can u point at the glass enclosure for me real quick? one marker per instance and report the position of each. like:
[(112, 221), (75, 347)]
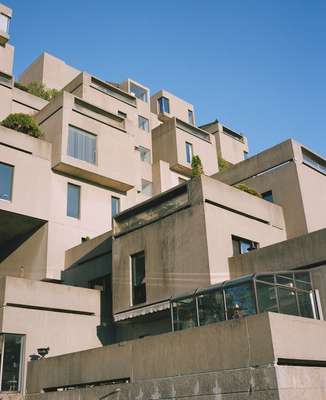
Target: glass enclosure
[(11, 349), (283, 292)]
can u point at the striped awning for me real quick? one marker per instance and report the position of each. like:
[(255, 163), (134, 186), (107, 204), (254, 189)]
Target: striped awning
[(137, 312)]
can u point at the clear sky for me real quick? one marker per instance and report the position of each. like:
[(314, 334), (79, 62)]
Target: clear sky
[(258, 66)]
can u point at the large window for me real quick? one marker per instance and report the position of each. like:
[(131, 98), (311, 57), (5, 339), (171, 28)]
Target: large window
[(242, 246), (4, 23), (138, 277), (6, 178), (73, 201), (143, 123), (164, 105), (191, 117), (115, 206), (81, 145), (139, 92), (11, 349), (189, 152)]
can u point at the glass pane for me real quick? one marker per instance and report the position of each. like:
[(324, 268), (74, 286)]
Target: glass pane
[(240, 300), (73, 201), (6, 176), (146, 187), (139, 92), (302, 280), (164, 105), (211, 307), (266, 278), (190, 117), (285, 279), (11, 364), (145, 154), (305, 304), (288, 301), (138, 279), (4, 23), (185, 314), (115, 206), (82, 145), (266, 296), (188, 152), (268, 196)]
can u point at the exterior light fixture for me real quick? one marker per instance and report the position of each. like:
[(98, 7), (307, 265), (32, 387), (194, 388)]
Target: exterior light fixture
[(43, 351)]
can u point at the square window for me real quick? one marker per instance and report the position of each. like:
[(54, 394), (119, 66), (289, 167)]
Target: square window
[(146, 187), (143, 123), (6, 180), (73, 201), (268, 196), (145, 154), (139, 92), (138, 278), (81, 145), (242, 246)]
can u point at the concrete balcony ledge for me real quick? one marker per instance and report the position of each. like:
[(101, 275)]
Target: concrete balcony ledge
[(258, 340)]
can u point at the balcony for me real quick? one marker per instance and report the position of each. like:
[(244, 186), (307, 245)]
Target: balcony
[(88, 142), (176, 141)]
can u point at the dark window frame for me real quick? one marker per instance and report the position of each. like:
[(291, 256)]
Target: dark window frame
[(138, 289)]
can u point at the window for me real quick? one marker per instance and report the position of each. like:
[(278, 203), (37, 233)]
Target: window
[(122, 114), (189, 152), (145, 154), (73, 201), (6, 178), (81, 145), (146, 187), (115, 206), (164, 105), (4, 23), (245, 155), (138, 278), (191, 117), (143, 123), (268, 196), (11, 349), (242, 246), (139, 92)]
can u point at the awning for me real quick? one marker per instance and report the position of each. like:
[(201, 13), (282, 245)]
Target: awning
[(137, 312)]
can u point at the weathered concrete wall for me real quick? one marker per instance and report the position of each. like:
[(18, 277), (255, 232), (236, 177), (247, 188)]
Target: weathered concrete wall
[(252, 341), (258, 383)]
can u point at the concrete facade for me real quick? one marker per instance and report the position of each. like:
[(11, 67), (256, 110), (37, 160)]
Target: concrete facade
[(111, 178)]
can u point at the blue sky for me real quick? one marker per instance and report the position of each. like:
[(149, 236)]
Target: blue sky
[(256, 65)]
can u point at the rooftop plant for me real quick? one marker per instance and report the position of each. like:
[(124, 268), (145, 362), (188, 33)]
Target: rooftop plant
[(38, 89), (247, 189), (196, 166), (223, 164), (23, 123)]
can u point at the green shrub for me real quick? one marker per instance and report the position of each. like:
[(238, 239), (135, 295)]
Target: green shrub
[(196, 166), (22, 123), (21, 86), (247, 189), (38, 89), (223, 164)]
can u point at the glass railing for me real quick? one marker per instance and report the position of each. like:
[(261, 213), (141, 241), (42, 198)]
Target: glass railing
[(288, 293)]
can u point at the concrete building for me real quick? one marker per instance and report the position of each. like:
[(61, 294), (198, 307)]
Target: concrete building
[(135, 273)]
